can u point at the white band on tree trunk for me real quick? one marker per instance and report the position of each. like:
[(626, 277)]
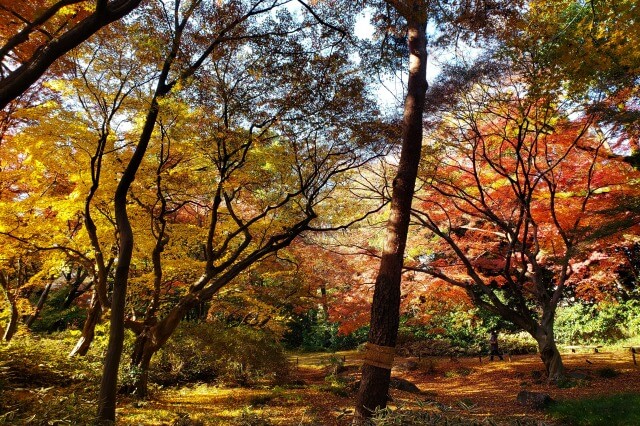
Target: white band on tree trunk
[(379, 356)]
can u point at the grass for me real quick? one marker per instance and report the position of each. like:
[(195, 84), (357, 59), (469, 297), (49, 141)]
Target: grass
[(614, 410)]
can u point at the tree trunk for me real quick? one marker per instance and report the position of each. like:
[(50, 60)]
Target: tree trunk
[(143, 351), (385, 310), (549, 352), (39, 306), (152, 338), (12, 326), (75, 291), (109, 383), (88, 330)]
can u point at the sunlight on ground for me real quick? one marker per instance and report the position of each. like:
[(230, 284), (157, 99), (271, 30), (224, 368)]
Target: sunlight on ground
[(462, 386)]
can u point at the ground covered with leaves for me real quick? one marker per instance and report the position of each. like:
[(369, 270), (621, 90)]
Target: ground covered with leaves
[(459, 390), (40, 385)]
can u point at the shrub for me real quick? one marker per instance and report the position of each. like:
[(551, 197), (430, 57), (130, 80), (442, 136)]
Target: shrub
[(606, 322), (211, 351), (311, 331), (518, 343)]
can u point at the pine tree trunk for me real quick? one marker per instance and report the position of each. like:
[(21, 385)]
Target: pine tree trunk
[(385, 310), (88, 329)]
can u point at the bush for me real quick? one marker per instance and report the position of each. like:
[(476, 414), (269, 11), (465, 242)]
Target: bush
[(311, 331), (518, 343), (211, 351), (606, 322)]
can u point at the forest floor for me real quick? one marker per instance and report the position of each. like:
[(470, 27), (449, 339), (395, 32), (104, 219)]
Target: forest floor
[(464, 387)]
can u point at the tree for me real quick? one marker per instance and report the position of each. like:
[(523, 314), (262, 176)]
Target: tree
[(583, 49), (316, 162), (36, 35), (267, 180), (376, 370), (519, 187), (187, 63)]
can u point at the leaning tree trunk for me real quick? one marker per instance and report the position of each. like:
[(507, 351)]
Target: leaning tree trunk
[(109, 382), (385, 310), (88, 329), (12, 326), (549, 352), (39, 306)]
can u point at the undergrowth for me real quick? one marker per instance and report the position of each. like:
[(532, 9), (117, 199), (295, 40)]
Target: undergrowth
[(40, 384)]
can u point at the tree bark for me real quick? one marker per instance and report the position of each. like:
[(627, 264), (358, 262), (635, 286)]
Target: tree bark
[(39, 306), (549, 352), (75, 291), (385, 310), (12, 326), (143, 351), (88, 329), (152, 338), (109, 383)]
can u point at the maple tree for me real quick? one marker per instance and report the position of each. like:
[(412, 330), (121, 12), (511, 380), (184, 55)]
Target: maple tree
[(272, 181), (519, 187), (184, 63), (58, 188), (231, 131), (35, 34), (583, 48)]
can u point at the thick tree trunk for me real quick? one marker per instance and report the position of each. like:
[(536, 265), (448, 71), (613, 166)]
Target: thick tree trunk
[(39, 306), (88, 329), (385, 310), (12, 326), (549, 352)]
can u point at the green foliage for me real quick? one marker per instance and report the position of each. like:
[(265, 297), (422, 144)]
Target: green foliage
[(518, 343), (606, 322), (311, 331), (54, 318), (211, 351), (622, 409), (463, 332)]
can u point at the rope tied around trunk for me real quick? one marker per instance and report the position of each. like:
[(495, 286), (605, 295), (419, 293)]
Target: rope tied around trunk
[(379, 356)]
